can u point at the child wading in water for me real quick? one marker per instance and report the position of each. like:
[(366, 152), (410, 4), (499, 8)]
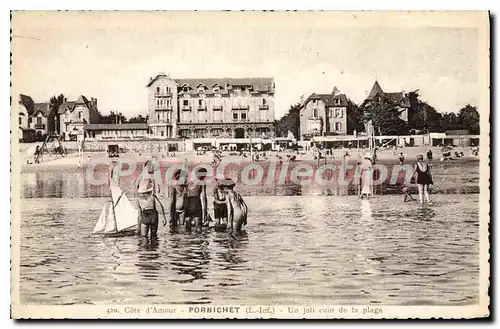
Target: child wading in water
[(237, 209)]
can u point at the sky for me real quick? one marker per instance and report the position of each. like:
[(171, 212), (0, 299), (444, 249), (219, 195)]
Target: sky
[(111, 56)]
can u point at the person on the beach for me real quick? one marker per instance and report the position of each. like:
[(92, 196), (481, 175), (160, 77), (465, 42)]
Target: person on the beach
[(178, 193), (237, 209), (196, 201), (429, 156), (366, 176), (147, 202), (401, 158), (423, 179), (407, 195), (220, 208)]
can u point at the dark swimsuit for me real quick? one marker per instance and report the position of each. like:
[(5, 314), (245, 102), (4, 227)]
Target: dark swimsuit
[(424, 177)]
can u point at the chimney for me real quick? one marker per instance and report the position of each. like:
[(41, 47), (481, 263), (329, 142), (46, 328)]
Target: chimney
[(302, 99), (65, 99), (93, 101)]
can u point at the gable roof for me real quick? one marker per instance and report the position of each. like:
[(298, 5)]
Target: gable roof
[(27, 102), (66, 106), (329, 99), (258, 83), (44, 108), (376, 89)]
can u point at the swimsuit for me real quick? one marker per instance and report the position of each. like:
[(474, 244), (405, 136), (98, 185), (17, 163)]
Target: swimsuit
[(424, 177)]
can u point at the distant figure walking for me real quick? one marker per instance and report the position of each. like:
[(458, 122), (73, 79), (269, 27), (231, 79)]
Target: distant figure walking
[(423, 179), (429, 156), (366, 176)]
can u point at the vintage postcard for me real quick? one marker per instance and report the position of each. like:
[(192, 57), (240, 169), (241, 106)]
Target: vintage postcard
[(249, 165)]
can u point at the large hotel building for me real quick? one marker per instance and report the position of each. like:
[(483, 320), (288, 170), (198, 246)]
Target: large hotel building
[(211, 108)]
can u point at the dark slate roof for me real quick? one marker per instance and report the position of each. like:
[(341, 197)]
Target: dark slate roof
[(329, 99), (42, 107), (397, 97), (113, 126), (66, 105), (27, 102), (376, 89), (258, 83)]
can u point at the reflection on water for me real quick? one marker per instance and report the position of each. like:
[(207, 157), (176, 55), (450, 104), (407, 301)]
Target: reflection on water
[(449, 179), (295, 250)]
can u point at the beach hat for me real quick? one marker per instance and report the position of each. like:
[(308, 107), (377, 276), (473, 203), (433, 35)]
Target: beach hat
[(420, 157), (145, 186), (226, 182), (368, 155)]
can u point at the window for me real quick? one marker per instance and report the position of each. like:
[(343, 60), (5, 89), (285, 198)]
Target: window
[(216, 89), (79, 115), (185, 102), (200, 103), (169, 102), (167, 89), (340, 113), (243, 89), (338, 126), (30, 120), (262, 115), (162, 133), (20, 120), (235, 116), (158, 116), (158, 89), (185, 89), (315, 102), (243, 116), (330, 113), (38, 120), (337, 101), (315, 112), (264, 101), (201, 89)]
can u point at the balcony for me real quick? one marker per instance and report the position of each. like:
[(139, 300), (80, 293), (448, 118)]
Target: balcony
[(40, 126), (263, 107), (163, 94), (201, 108), (240, 107), (164, 108), (217, 107), (186, 108)]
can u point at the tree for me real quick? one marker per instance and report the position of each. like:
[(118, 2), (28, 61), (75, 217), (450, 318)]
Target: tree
[(289, 122), (426, 119), (54, 104), (450, 122), (468, 118), (384, 115), (355, 118), (112, 117), (138, 119)]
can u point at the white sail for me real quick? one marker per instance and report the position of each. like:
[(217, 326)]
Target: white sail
[(125, 213), (110, 221), (101, 223)]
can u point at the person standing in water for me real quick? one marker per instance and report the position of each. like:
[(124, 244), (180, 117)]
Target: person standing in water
[(220, 208), (178, 193), (237, 210), (147, 202), (423, 179), (196, 200), (366, 176)]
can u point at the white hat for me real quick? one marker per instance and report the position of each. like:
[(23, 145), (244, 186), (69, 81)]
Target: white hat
[(368, 155)]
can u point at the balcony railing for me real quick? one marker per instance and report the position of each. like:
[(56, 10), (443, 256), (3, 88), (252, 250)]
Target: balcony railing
[(186, 108), (217, 107), (201, 108), (240, 107), (263, 107), (163, 94), (39, 126), (164, 108)]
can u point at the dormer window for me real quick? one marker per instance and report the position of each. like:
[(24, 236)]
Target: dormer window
[(201, 89), (158, 89), (216, 89), (315, 102), (185, 89), (337, 101)]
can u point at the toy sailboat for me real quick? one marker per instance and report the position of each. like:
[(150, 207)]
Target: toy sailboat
[(118, 217)]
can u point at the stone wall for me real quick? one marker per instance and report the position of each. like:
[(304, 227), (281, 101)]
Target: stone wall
[(143, 146)]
